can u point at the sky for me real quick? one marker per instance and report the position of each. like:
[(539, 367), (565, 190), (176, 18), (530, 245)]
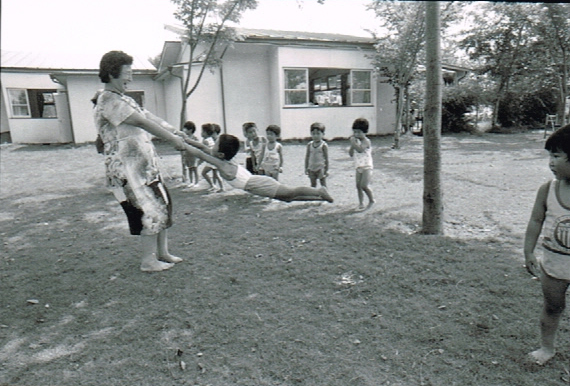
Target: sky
[(137, 26)]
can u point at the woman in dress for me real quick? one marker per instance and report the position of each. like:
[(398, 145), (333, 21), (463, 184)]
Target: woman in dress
[(131, 161)]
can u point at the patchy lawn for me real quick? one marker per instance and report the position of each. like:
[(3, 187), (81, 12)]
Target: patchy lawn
[(274, 293)]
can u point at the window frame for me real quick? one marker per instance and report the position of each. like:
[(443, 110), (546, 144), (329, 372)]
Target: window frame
[(19, 105), (286, 90), (354, 90), (36, 107)]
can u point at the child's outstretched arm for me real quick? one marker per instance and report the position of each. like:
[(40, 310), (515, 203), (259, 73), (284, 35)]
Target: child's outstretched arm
[(326, 155), (533, 230), (307, 159)]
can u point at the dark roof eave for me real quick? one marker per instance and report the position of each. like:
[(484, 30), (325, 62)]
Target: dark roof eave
[(67, 71)]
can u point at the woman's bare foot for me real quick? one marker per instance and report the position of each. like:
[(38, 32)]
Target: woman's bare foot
[(324, 193), (170, 258), (370, 204), (155, 266), (541, 356)]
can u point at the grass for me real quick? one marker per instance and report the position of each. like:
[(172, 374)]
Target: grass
[(274, 293)]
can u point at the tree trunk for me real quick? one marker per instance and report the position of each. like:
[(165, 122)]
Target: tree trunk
[(432, 219), (399, 108)]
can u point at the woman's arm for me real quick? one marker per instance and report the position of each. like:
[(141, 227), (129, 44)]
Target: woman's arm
[(139, 120), (227, 170)]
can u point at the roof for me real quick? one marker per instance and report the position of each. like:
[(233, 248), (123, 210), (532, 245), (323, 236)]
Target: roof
[(262, 34), (61, 61), (287, 37)]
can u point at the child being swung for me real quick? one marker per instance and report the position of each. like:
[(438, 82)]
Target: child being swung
[(317, 156), (222, 157), (551, 216), (272, 163)]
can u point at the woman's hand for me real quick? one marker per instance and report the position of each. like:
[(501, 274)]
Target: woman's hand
[(178, 143)]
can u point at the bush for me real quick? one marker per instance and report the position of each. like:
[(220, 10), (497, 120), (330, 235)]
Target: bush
[(456, 103)]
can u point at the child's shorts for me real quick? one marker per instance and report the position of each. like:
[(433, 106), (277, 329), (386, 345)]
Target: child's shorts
[(317, 174), (262, 186), (362, 169)]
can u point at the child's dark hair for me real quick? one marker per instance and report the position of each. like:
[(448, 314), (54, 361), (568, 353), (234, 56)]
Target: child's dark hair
[(360, 124), (112, 63), (190, 126), (318, 126), (559, 141), (229, 145), (248, 125), (208, 128), (217, 128), (274, 129)]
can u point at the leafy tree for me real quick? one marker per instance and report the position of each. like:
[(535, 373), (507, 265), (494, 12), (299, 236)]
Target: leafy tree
[(499, 41), (554, 29), (400, 48), (206, 36)]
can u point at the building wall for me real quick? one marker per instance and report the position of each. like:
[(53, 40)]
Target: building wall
[(252, 79), (30, 130), (81, 89)]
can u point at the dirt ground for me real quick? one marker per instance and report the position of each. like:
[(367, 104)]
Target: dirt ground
[(272, 293)]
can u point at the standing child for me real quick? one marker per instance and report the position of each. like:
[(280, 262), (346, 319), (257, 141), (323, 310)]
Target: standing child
[(256, 146), (551, 215), (361, 151), (208, 134), (317, 157), (272, 163), (189, 162), (248, 151), (239, 177)]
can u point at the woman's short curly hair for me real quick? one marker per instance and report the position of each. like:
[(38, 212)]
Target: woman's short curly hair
[(111, 65)]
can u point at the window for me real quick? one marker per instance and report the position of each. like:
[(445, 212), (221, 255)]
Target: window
[(361, 87), (296, 87), (327, 87), (32, 103), (138, 96)]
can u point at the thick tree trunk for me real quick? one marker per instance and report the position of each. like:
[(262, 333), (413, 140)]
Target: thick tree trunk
[(432, 219)]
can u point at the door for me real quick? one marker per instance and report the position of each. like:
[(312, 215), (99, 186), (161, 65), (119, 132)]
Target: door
[(63, 117)]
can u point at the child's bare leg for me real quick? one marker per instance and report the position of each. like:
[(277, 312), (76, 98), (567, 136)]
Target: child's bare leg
[(313, 179), (359, 190), (206, 176), (302, 193), (323, 182), (365, 181), (217, 178), (149, 262), (163, 253), (554, 292), (194, 175)]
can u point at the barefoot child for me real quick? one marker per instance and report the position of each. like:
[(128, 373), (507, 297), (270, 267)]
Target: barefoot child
[(272, 163), (209, 138), (189, 162), (221, 156), (361, 151), (551, 215), (317, 156)]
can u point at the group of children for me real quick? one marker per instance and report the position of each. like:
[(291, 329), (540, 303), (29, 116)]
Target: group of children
[(550, 215), (264, 157)]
